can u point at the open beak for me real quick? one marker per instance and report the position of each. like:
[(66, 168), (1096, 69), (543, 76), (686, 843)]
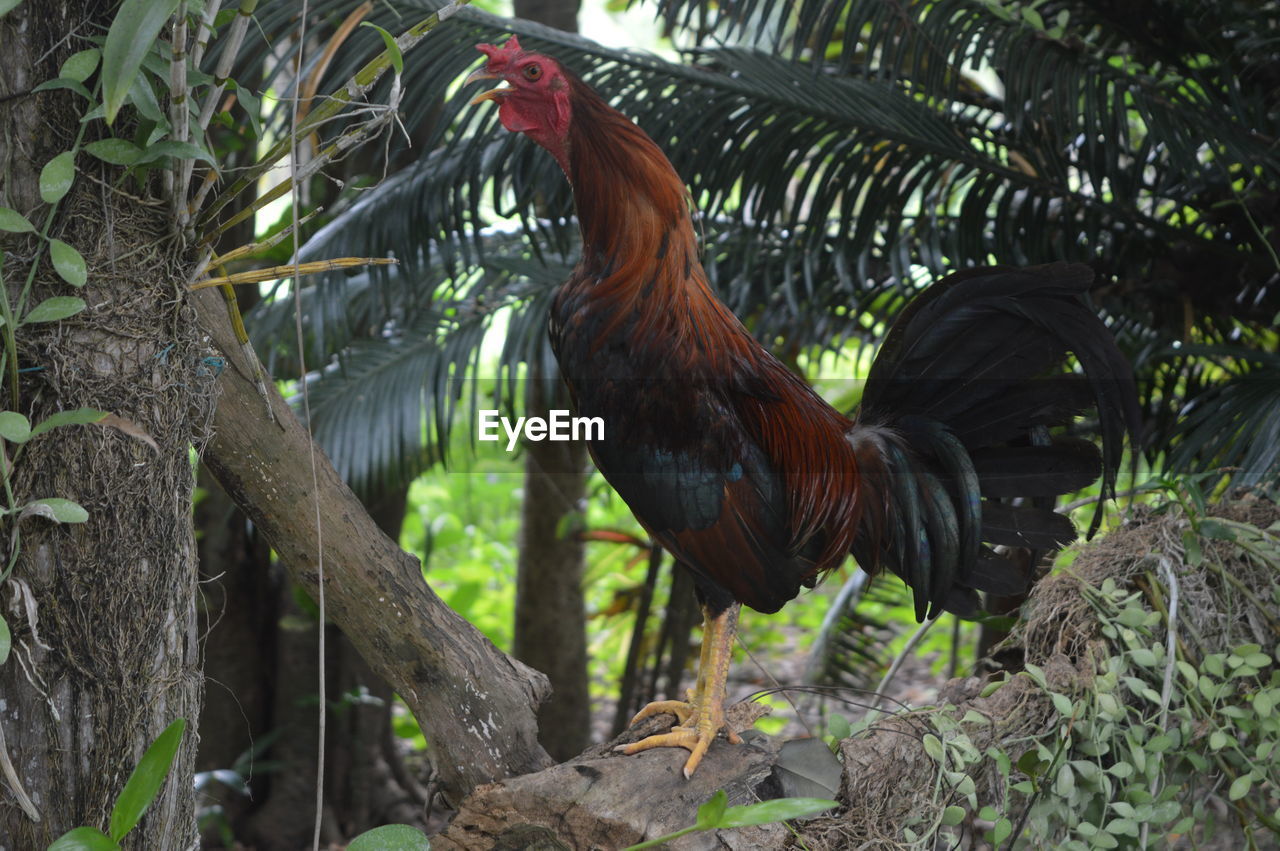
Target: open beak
[(494, 95)]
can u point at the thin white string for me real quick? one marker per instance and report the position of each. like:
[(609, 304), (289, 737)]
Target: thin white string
[(306, 413)]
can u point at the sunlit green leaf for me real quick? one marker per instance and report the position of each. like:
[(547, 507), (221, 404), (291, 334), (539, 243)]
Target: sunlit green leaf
[(55, 508), (84, 839), (393, 49), (14, 222), (781, 809), (133, 31), (56, 177), (14, 427), (80, 65), (6, 640), (77, 416), (144, 783), (6, 6), (114, 151), (68, 263), (391, 837), (54, 308)]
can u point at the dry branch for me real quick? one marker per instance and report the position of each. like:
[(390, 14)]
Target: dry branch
[(475, 704)]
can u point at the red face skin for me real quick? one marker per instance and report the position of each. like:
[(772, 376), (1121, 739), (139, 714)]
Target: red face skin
[(536, 99)]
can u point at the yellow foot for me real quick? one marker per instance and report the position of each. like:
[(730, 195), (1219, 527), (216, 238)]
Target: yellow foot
[(692, 731), (701, 717)]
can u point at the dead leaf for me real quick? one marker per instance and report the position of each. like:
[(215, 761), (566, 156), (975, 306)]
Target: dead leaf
[(130, 429)]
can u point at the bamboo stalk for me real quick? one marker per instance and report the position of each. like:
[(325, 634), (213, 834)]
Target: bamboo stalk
[(271, 273), (235, 37), (179, 115), (204, 31), (249, 249)]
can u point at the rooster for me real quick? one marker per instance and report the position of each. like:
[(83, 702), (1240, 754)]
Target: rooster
[(743, 472)]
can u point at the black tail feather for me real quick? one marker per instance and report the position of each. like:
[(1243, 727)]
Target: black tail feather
[(955, 410)]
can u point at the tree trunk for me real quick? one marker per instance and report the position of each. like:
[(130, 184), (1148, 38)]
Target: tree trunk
[(550, 628), (105, 651), (476, 705), (550, 618)]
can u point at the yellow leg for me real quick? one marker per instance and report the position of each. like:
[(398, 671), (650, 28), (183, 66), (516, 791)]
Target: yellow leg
[(701, 717)]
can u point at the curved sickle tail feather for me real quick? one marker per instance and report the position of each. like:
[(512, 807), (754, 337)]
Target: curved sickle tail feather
[(953, 437)]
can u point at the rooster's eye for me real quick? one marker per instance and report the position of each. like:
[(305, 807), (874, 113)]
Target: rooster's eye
[(532, 72)]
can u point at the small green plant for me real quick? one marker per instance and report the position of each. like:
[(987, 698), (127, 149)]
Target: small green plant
[(139, 791), (716, 814), (391, 837), (1177, 722)]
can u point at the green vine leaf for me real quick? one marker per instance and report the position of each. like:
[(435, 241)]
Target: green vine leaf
[(114, 151), (64, 83), (142, 96), (68, 263), (131, 36), (173, 148), (14, 222), (144, 783), (14, 427), (6, 640), (710, 813), (80, 65), (56, 177), (55, 508), (779, 809), (84, 839), (54, 309), (7, 6), (252, 105), (393, 49), (78, 416), (391, 837)]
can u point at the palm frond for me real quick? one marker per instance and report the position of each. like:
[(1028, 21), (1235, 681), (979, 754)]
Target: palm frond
[(839, 148), (1234, 425)]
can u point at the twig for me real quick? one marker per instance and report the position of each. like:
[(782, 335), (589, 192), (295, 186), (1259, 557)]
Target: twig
[(899, 659), (15, 784), (1171, 653), (293, 270)]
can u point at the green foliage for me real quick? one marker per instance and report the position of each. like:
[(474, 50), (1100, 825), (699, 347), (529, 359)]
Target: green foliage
[(131, 37), (139, 791), (144, 783), (391, 837), (897, 161), (1167, 732), (716, 814)]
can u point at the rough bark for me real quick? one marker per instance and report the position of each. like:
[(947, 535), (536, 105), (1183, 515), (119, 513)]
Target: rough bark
[(476, 705), (103, 617), (604, 800), (550, 616)]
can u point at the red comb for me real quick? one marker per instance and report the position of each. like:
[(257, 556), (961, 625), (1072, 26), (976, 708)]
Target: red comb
[(500, 56)]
